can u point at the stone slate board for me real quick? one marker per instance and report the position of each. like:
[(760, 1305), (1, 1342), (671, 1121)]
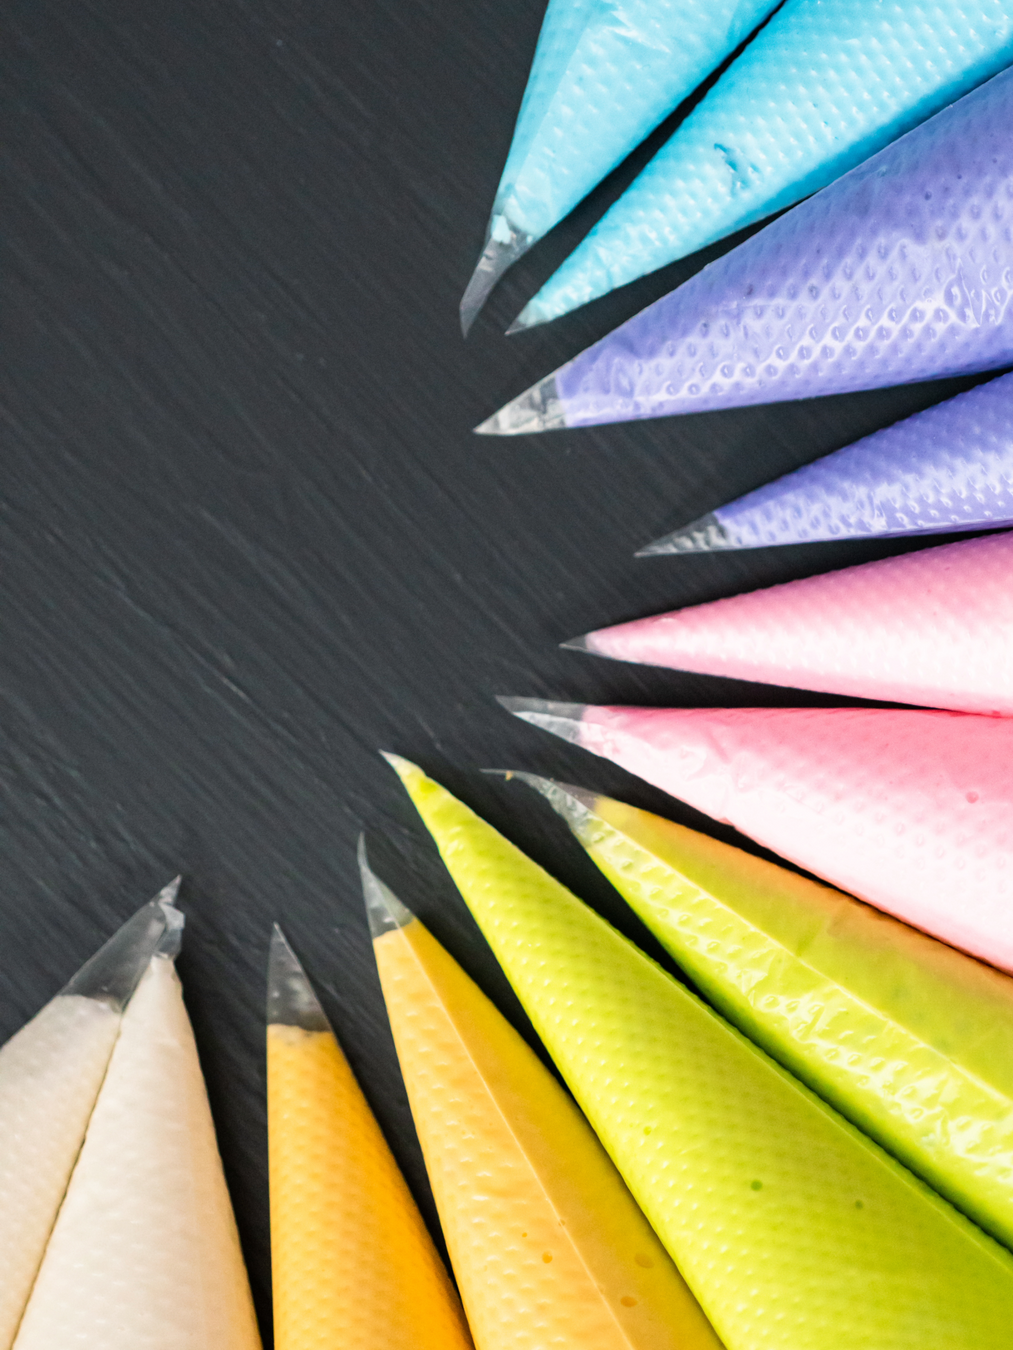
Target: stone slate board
[(247, 536)]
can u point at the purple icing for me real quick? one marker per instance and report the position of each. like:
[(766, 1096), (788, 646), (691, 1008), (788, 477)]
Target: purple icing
[(902, 270), (947, 468)]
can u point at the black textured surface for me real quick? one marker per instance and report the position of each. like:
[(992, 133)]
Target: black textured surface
[(246, 533)]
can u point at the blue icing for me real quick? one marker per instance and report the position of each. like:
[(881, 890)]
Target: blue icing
[(821, 88), (605, 74), (945, 469)]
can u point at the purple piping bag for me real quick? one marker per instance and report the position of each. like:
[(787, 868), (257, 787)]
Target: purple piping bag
[(946, 469), (900, 271)]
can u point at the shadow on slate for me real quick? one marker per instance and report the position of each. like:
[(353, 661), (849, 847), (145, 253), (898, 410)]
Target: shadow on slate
[(247, 534)]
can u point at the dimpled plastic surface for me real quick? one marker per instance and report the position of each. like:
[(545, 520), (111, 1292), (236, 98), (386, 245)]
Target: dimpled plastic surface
[(945, 469), (794, 1229), (899, 271), (145, 1254), (933, 627), (352, 1261), (911, 811), (50, 1074), (604, 75), (821, 87), (547, 1243), (909, 1039)]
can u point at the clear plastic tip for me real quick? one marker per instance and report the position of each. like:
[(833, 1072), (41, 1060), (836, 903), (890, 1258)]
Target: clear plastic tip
[(587, 643), (530, 317), (706, 535), (291, 1001), (503, 247), (113, 972), (537, 409), (562, 719), (576, 805), (384, 910), (399, 764)]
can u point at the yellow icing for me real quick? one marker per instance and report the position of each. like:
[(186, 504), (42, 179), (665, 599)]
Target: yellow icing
[(354, 1265), (548, 1245)]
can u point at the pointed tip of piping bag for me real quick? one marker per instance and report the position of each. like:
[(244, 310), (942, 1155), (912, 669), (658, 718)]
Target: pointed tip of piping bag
[(705, 535), (112, 974), (172, 938), (537, 409), (575, 804), (569, 287), (384, 910), (498, 255), (405, 770), (562, 719), (167, 895), (552, 787), (577, 644), (591, 644), (527, 318), (588, 643), (291, 1000)]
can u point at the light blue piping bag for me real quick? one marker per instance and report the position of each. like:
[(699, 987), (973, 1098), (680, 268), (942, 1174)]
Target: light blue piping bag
[(605, 74), (823, 86)]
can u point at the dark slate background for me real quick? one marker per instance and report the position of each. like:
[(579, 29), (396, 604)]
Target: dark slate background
[(247, 535)]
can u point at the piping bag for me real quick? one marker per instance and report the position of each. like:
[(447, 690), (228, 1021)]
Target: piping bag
[(548, 1245), (934, 627), (895, 273), (794, 1229), (942, 470), (909, 1039), (352, 1261), (50, 1074), (602, 79), (910, 811), (145, 1251), (819, 89)]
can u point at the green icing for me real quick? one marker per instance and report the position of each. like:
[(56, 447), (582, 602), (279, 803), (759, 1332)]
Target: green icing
[(910, 1039), (795, 1231)]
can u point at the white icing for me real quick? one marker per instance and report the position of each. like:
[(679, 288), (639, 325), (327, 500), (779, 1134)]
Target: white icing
[(145, 1254), (50, 1074)]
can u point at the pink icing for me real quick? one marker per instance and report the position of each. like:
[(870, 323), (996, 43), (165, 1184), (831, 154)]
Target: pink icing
[(911, 811), (933, 627)]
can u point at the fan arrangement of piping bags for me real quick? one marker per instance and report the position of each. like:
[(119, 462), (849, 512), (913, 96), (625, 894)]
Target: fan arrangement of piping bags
[(897, 272), (943, 470), (819, 89), (791, 1226), (126, 1218), (600, 81)]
